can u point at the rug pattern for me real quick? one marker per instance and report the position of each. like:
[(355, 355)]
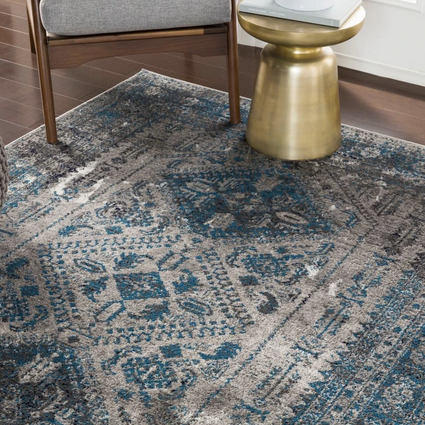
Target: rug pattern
[(156, 270)]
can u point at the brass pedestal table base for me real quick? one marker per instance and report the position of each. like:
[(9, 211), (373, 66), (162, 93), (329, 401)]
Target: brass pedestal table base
[(295, 113)]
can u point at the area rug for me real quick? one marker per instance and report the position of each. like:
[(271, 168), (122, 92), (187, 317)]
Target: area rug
[(155, 270)]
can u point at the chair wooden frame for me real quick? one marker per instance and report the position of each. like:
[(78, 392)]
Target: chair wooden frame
[(66, 52)]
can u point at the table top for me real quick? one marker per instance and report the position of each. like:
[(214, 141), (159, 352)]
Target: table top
[(284, 32)]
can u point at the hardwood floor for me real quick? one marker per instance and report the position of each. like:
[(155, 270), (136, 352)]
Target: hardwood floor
[(389, 107)]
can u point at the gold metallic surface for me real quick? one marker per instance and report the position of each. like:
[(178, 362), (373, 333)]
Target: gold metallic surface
[(283, 32), (295, 113), (295, 108)]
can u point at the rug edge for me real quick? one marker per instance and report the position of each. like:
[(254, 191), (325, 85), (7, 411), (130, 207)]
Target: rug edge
[(82, 104), (390, 138), (145, 71)]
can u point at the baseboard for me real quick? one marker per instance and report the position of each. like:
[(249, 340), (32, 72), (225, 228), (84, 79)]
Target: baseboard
[(245, 39), (358, 64), (380, 69)]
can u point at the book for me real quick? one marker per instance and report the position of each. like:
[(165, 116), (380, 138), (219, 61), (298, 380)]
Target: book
[(334, 16)]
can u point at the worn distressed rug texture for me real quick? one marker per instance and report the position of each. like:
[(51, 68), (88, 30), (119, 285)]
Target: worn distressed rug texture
[(155, 270)]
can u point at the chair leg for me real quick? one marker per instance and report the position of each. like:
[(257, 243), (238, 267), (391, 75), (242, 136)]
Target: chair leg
[(233, 69), (41, 47), (30, 33)]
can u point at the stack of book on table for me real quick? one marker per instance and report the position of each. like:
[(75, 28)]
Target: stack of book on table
[(334, 16)]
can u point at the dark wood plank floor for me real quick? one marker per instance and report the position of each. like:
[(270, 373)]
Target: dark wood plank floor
[(385, 106)]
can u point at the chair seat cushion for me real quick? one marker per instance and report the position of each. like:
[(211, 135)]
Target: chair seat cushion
[(83, 17)]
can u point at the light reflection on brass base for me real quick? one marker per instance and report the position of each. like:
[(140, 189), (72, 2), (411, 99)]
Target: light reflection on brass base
[(295, 108), (295, 112)]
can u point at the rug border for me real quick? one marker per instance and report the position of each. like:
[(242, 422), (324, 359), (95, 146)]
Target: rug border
[(143, 70)]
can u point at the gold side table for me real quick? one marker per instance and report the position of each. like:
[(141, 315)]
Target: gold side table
[(295, 113)]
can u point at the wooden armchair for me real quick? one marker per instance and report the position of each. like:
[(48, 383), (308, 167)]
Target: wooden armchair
[(68, 33)]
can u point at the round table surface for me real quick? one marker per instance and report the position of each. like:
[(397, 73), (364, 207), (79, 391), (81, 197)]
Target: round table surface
[(284, 32)]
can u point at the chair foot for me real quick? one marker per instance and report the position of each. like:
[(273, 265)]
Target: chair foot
[(51, 132), (233, 70), (235, 120)]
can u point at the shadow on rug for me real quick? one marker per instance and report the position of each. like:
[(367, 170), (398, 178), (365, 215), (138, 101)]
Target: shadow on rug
[(155, 270)]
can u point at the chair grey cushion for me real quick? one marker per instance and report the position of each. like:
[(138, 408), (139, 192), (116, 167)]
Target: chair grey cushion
[(83, 17)]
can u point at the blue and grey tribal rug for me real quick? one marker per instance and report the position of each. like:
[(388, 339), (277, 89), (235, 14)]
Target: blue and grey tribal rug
[(156, 271)]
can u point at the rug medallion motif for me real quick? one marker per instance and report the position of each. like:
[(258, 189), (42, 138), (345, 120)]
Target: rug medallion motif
[(155, 270)]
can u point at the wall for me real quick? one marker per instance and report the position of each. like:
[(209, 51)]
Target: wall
[(391, 43)]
